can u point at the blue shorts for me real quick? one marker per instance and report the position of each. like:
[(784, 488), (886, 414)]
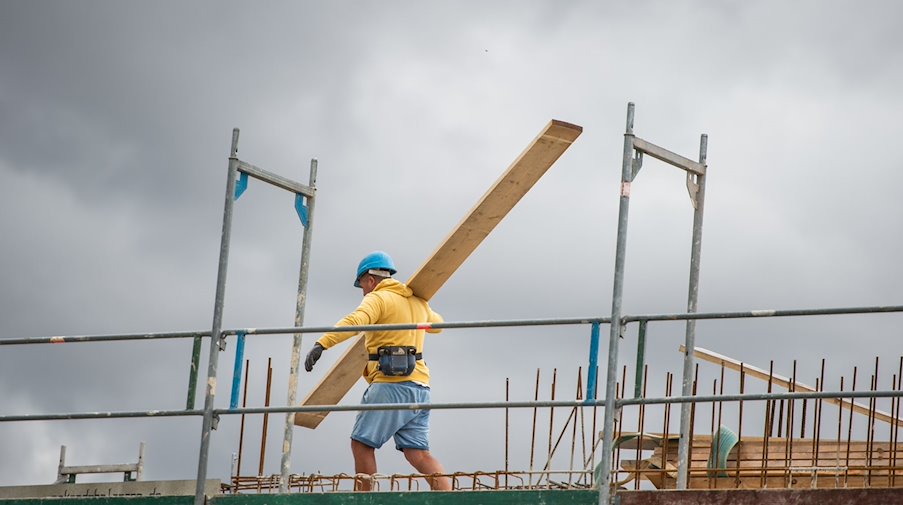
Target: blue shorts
[(410, 428)]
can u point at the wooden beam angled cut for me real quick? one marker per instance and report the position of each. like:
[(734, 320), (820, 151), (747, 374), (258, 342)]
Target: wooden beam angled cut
[(498, 201), (504, 194)]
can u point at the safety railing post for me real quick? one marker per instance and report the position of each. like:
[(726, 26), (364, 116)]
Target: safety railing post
[(215, 332), (627, 172), (698, 195), (592, 371), (297, 339), (640, 359), (193, 373)]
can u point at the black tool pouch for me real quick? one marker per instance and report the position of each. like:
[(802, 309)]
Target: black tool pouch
[(396, 360)]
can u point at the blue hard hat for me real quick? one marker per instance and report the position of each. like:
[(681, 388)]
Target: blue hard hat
[(377, 260)]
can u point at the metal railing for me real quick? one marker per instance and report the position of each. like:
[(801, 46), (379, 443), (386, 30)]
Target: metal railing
[(607, 442)]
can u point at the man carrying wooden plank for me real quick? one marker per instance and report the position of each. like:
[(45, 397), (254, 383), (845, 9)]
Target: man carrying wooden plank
[(554, 139), (395, 370)]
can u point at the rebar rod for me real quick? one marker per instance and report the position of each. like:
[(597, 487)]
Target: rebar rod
[(740, 422), (803, 416), (507, 426), (241, 430), (788, 448), (710, 475), (583, 434), (266, 416), (771, 411), (666, 418), (620, 392), (896, 426), (819, 405), (850, 430), (717, 434), (533, 431), (693, 409), (640, 428), (839, 420), (551, 417), (558, 440), (769, 422), (873, 404), (578, 397)]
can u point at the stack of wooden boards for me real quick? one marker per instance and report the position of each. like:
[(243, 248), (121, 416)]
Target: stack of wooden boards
[(726, 460), (757, 462)]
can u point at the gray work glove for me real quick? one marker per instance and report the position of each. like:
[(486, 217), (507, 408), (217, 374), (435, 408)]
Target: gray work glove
[(313, 356)]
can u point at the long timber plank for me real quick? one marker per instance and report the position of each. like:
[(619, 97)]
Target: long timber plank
[(733, 364), (504, 194)]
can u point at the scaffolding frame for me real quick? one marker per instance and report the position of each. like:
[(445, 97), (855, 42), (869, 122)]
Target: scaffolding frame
[(236, 184), (634, 150)]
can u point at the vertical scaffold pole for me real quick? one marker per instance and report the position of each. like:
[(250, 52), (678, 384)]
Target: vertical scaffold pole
[(215, 337), (296, 342), (683, 449), (616, 323)]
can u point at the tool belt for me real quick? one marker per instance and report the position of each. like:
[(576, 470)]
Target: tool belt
[(396, 360)]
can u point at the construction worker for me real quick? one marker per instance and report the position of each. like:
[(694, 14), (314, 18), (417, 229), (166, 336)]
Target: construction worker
[(395, 371)]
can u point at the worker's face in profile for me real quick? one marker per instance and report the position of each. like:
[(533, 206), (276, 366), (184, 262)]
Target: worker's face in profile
[(368, 283)]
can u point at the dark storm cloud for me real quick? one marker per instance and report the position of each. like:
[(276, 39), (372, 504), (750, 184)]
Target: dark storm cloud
[(115, 121)]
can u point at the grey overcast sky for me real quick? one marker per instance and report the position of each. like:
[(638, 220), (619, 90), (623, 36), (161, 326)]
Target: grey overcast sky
[(115, 124)]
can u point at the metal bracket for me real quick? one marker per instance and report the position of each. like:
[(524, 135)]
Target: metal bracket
[(221, 342), (214, 421), (241, 185), (637, 164), (301, 209), (692, 187)]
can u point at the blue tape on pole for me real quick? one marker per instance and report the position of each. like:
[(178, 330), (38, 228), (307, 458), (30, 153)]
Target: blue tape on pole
[(301, 209), (236, 374), (593, 369), (241, 185)]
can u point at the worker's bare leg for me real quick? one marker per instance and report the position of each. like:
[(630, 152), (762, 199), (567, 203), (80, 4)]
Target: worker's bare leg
[(364, 463), (426, 464)]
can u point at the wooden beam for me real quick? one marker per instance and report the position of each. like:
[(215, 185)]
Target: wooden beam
[(718, 359), (521, 175)]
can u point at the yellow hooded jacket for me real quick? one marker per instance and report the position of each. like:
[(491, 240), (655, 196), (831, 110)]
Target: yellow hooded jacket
[(391, 302)]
